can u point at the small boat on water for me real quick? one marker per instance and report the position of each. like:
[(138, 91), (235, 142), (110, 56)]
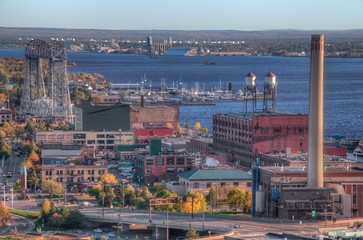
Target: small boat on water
[(358, 151)]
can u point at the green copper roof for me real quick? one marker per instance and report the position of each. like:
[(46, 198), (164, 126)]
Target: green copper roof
[(215, 174)]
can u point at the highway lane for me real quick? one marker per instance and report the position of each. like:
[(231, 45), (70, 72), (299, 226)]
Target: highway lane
[(11, 164), (247, 225)]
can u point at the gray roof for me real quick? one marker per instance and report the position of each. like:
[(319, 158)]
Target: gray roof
[(60, 153), (55, 161), (215, 174)]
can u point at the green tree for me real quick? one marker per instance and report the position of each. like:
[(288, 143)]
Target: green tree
[(5, 149), (130, 196), (192, 233), (52, 187), (107, 197), (212, 197), (95, 190), (4, 215), (186, 125), (74, 219), (120, 193), (141, 203), (34, 179), (236, 198), (29, 127), (79, 95), (146, 194)]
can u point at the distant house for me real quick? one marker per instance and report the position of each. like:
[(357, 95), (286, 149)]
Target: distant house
[(5, 115), (203, 179)]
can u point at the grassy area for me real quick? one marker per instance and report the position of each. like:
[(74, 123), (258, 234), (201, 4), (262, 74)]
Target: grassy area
[(23, 213), (246, 214)]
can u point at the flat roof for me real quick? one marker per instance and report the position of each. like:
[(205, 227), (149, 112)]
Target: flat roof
[(249, 115)]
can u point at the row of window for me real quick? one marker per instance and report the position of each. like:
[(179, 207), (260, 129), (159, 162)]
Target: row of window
[(74, 172), (168, 169), (83, 136), (100, 142), (72, 179)]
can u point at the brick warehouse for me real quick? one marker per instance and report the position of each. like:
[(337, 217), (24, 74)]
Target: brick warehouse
[(246, 136)]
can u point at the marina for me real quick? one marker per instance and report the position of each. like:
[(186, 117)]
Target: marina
[(343, 86)]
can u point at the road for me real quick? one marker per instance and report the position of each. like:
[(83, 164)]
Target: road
[(244, 226), (11, 164)]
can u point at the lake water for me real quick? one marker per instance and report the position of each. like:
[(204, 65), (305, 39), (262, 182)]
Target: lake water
[(343, 94)]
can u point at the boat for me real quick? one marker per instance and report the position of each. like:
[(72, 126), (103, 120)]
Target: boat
[(358, 151)]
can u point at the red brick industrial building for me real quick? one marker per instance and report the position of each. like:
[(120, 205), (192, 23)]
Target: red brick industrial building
[(246, 136)]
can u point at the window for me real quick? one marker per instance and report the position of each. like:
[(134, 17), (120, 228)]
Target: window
[(180, 161), (249, 184), (195, 185), (79, 136), (110, 136), (223, 184), (110, 142), (149, 161), (91, 141), (100, 141), (235, 184), (180, 169), (159, 160), (169, 169), (100, 135), (209, 185), (170, 161)]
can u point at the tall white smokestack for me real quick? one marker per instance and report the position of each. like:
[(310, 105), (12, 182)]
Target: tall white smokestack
[(316, 103)]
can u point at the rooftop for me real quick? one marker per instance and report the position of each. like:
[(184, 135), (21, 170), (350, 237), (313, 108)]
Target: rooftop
[(215, 174), (251, 114)]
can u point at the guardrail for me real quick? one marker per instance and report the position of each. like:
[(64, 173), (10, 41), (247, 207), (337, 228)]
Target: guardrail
[(176, 224)]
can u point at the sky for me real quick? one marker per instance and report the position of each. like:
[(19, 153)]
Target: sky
[(245, 15)]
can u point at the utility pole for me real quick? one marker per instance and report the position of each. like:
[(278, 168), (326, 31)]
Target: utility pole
[(103, 200)]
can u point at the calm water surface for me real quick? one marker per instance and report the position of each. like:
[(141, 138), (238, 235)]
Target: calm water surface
[(343, 82)]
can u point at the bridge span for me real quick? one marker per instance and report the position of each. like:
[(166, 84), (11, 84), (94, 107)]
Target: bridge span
[(161, 223), (217, 226)]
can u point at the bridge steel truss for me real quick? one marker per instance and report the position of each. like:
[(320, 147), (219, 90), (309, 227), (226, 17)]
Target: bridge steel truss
[(50, 98)]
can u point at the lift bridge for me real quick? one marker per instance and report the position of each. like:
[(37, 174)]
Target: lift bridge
[(46, 98)]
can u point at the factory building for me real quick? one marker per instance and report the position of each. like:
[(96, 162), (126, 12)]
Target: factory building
[(246, 136), (153, 121), (102, 116), (284, 192)]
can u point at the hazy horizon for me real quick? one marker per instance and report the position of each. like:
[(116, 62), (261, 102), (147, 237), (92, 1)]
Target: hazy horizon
[(188, 15)]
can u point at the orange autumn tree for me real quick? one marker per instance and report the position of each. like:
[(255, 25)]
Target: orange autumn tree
[(108, 178), (4, 215), (195, 202)]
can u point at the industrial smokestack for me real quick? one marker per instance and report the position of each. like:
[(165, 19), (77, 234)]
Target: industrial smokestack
[(316, 103), (142, 101)]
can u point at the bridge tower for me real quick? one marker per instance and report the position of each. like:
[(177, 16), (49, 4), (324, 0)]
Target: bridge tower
[(46, 97)]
